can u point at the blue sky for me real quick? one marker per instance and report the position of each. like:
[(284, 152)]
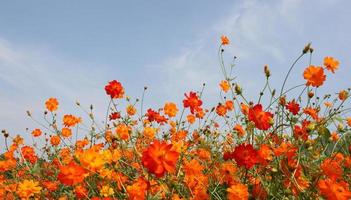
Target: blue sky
[(71, 49)]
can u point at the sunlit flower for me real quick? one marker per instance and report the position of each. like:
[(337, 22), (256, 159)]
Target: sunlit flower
[(66, 132), (28, 188), (314, 76), (331, 64), (221, 110), (106, 191), (131, 110), (170, 109), (237, 191), (71, 120), (224, 40), (158, 158), (262, 120), (114, 89), (71, 174), (245, 155), (122, 131), (239, 129), (192, 101), (343, 94), (293, 107), (191, 118), (225, 86), (55, 140), (333, 190), (137, 191), (51, 104), (36, 132)]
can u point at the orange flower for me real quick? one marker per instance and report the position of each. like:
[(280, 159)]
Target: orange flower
[(331, 64), (348, 120), (332, 168), (70, 120), (123, 131), (137, 191), (28, 188), (191, 118), (28, 153), (158, 158), (51, 104), (81, 191), (333, 190), (50, 185), (224, 40), (221, 110), (149, 132), (237, 191), (192, 101), (244, 108), (229, 105), (131, 110), (265, 154), (262, 120), (343, 94), (170, 109), (311, 112), (314, 76), (36, 132), (227, 171), (114, 89), (66, 132), (224, 86), (71, 174), (55, 140), (238, 128)]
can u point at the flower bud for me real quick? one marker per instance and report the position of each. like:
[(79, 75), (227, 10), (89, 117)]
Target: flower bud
[(310, 94), (282, 100), (238, 89), (307, 48), (267, 71), (340, 127)]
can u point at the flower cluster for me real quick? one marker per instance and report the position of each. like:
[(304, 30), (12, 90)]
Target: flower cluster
[(291, 145)]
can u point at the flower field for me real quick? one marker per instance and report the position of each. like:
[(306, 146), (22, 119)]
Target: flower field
[(284, 148)]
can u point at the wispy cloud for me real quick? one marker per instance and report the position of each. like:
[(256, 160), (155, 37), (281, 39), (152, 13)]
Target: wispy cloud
[(30, 75), (262, 32)]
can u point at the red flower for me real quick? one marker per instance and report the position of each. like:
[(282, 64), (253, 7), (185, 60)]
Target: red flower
[(155, 116), (293, 107), (114, 116), (71, 174), (301, 132), (158, 158), (192, 101), (114, 89), (245, 155), (262, 120)]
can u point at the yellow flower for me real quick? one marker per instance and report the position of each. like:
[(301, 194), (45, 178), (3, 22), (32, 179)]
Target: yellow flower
[(28, 188), (106, 191)]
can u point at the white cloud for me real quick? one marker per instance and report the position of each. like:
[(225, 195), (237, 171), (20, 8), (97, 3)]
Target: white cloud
[(30, 75)]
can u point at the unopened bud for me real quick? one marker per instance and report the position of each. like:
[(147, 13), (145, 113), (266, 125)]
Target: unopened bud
[(282, 100), (307, 48), (28, 113), (310, 94), (238, 89), (77, 103), (267, 71), (340, 128)]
